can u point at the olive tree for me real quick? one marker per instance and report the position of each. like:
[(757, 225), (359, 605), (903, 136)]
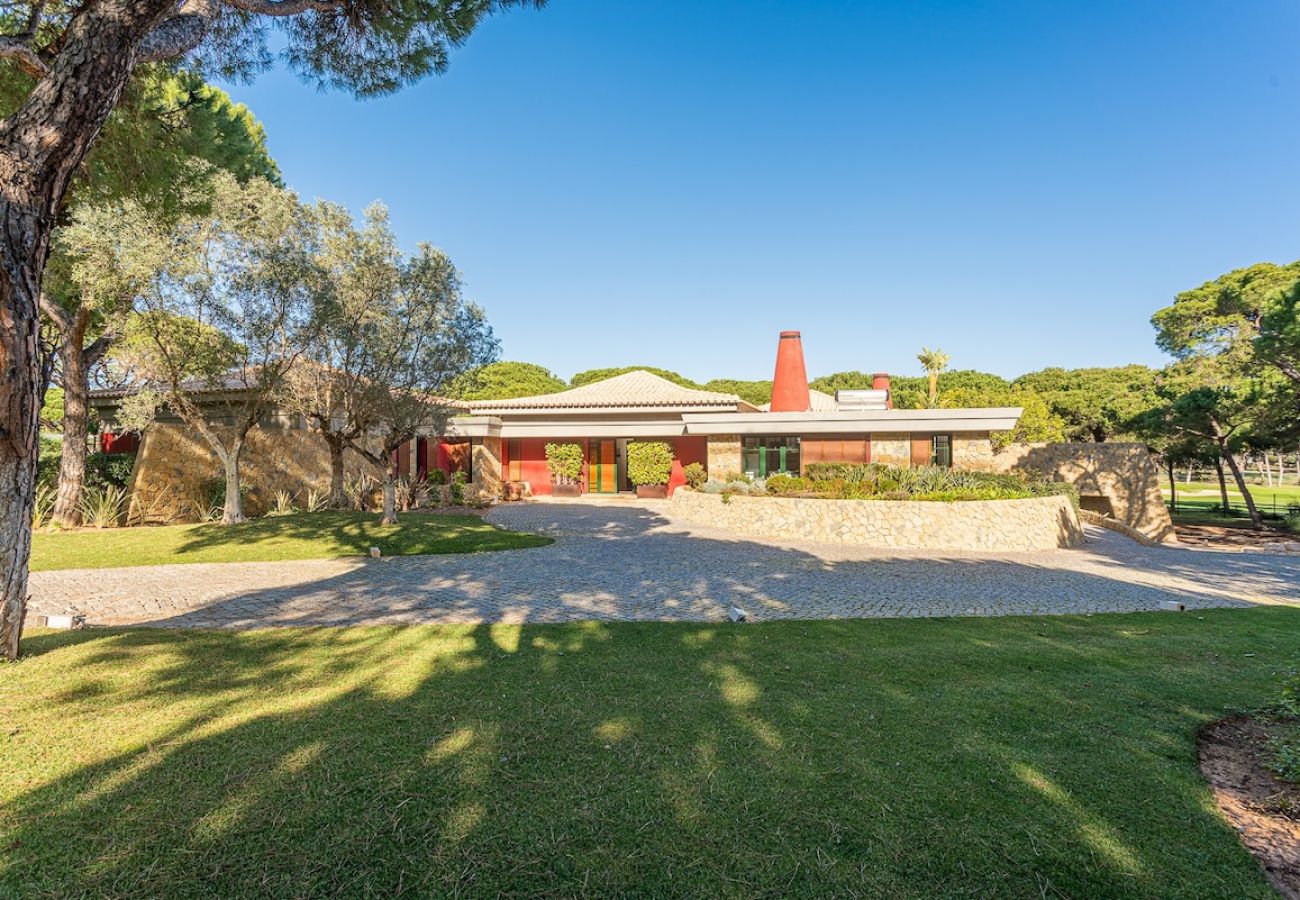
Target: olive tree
[(79, 58), (228, 315), (395, 334), (192, 130)]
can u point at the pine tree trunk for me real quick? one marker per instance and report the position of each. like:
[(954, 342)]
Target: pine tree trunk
[(76, 415), (41, 146), (1173, 485), (1255, 517), (1223, 484)]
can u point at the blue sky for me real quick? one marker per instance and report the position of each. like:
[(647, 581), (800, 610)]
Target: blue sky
[(672, 183)]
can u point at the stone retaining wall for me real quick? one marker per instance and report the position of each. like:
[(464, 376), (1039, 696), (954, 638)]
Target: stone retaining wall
[(1115, 479), (1037, 523)]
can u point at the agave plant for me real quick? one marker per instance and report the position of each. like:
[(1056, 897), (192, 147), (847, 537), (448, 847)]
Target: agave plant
[(103, 507), (285, 503), (358, 489), (43, 505), (316, 500)]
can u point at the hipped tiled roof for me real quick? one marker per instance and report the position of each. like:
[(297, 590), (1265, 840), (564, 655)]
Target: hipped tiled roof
[(638, 388)]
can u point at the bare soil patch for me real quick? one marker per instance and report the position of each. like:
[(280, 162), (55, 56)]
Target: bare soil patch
[(1264, 810), (1230, 536)]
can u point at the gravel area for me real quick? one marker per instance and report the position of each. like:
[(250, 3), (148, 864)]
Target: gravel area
[(624, 561)]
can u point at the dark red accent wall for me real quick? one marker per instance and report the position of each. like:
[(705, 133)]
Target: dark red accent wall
[(686, 450), (119, 443)]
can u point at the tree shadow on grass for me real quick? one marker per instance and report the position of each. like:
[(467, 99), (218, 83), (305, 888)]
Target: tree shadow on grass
[(972, 757), (354, 533)]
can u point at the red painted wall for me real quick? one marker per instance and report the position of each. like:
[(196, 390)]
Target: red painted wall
[(119, 443), (686, 450), (532, 464)]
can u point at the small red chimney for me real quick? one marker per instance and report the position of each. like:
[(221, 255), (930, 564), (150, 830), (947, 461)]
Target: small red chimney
[(880, 382), (790, 383)]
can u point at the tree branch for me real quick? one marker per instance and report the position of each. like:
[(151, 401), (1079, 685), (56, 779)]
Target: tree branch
[(17, 49), (180, 33), (61, 318), (284, 7)]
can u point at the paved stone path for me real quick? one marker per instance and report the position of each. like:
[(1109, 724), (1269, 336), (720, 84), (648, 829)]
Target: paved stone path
[(631, 563)]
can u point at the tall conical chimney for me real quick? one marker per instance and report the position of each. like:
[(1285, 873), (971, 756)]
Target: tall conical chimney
[(790, 383)]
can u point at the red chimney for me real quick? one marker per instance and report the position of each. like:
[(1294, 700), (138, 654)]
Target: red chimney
[(880, 382), (790, 383)]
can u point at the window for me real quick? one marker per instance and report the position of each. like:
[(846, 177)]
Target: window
[(514, 460), (941, 450), (764, 456)]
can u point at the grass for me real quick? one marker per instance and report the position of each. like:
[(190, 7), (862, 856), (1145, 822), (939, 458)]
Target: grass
[(1201, 497), (317, 535), (953, 757)]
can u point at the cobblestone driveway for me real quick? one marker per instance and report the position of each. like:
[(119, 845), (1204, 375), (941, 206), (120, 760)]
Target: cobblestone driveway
[(631, 563)]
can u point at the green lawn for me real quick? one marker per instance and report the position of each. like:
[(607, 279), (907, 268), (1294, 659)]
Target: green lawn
[(954, 757), (316, 535), (1202, 496)]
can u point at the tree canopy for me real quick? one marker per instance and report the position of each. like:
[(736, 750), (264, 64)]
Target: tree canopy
[(1097, 404), (755, 392), (164, 122), (505, 380)]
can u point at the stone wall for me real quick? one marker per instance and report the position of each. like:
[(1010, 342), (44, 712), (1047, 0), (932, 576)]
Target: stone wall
[(723, 455), (486, 466), (1118, 480), (1038, 523), (891, 449), (973, 450), (175, 469)]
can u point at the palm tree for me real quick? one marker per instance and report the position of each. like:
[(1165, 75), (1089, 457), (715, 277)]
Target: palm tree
[(934, 362)]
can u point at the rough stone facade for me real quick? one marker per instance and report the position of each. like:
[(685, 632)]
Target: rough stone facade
[(724, 455), (1117, 480), (175, 471), (1038, 523), (972, 451), (892, 449), (486, 466)]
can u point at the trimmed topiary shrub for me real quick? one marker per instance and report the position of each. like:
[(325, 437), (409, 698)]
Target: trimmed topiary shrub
[(649, 462), (565, 462), (695, 475)]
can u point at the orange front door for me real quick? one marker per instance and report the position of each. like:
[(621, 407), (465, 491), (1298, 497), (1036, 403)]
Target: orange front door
[(602, 468)]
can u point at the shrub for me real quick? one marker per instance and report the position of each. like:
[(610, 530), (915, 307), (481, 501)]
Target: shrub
[(786, 484), (104, 469), (437, 478), (565, 462), (649, 462), (47, 463), (695, 475), (737, 476), (457, 489), (103, 507), (316, 500), (847, 481)]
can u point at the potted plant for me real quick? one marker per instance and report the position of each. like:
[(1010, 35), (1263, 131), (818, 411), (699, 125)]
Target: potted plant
[(649, 463), (565, 462)]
